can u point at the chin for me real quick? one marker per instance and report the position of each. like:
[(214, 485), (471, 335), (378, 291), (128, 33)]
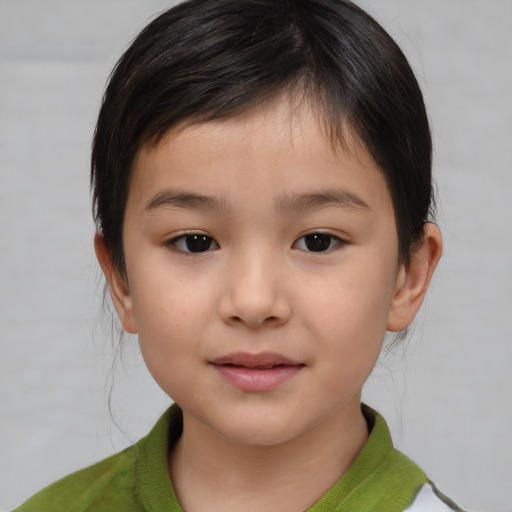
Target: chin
[(262, 430), (259, 437)]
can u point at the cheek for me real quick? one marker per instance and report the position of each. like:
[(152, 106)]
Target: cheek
[(349, 316), (165, 302), (356, 304), (170, 323)]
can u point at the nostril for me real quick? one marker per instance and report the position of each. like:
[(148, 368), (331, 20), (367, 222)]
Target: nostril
[(256, 322)]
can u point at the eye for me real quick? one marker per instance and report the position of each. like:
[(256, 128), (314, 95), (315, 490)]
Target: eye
[(194, 243), (318, 242)]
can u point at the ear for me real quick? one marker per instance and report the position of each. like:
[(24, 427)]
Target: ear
[(117, 283), (413, 280)]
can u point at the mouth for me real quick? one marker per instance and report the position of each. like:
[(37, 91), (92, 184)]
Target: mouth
[(256, 372), (258, 367), (263, 361)]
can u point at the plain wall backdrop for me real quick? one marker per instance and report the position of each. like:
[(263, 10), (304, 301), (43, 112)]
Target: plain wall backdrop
[(445, 393)]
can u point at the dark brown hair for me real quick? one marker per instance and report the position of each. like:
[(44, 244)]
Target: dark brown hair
[(209, 59)]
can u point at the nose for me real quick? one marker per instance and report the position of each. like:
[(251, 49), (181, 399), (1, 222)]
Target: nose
[(255, 294)]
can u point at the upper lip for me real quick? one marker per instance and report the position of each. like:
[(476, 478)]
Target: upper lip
[(248, 360)]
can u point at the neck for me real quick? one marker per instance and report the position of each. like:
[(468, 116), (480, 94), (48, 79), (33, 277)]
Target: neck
[(210, 472)]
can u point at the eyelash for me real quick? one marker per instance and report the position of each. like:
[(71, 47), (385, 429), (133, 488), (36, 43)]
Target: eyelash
[(189, 238), (205, 242), (320, 238)]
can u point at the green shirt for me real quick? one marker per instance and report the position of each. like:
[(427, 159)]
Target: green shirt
[(381, 479)]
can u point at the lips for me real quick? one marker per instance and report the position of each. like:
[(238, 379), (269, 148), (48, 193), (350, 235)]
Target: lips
[(256, 372), (265, 359)]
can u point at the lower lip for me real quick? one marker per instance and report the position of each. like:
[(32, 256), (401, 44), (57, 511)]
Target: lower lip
[(257, 379)]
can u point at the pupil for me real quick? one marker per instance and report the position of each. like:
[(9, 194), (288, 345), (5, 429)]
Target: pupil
[(198, 243), (318, 242)]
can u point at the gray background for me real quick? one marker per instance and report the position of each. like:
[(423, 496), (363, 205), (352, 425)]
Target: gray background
[(445, 394)]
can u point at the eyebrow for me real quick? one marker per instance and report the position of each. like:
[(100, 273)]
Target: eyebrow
[(285, 204), (187, 200), (338, 198)]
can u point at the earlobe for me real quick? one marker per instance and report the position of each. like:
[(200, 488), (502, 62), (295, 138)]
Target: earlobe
[(117, 283), (413, 280)]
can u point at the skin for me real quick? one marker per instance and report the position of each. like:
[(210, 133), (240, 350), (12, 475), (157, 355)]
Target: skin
[(258, 289)]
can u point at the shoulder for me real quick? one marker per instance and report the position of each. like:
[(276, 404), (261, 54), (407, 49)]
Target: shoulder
[(429, 499), (392, 482), (122, 482), (105, 485)]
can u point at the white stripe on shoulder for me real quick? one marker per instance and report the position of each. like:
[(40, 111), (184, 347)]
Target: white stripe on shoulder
[(427, 501)]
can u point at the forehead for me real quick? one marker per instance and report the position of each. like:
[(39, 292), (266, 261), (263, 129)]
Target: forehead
[(269, 151)]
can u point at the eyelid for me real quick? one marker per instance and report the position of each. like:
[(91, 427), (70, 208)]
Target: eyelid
[(339, 241), (172, 242)]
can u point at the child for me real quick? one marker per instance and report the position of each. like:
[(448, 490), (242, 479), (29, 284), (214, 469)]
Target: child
[(262, 189)]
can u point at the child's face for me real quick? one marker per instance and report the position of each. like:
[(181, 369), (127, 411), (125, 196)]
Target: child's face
[(256, 287)]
